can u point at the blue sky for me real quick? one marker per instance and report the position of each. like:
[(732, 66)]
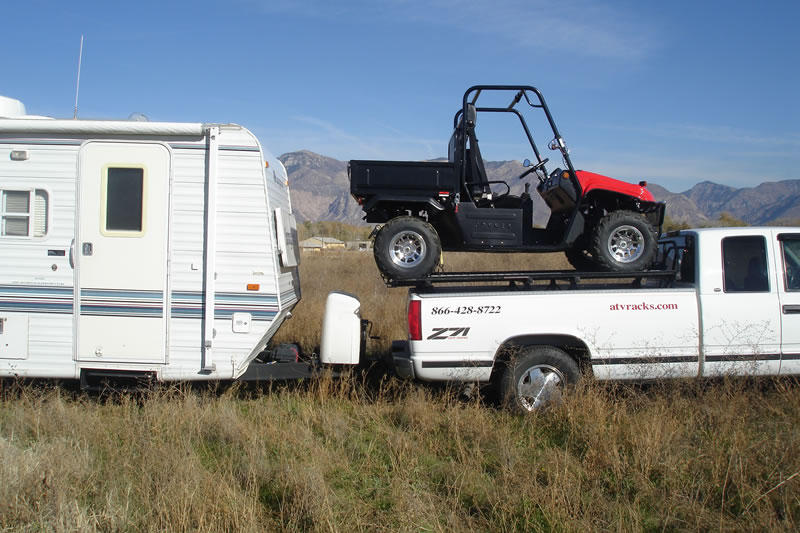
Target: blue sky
[(671, 92)]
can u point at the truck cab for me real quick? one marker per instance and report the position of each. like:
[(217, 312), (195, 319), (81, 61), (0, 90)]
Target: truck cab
[(748, 288)]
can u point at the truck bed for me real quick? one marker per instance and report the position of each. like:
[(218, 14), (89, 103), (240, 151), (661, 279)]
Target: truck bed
[(416, 178)]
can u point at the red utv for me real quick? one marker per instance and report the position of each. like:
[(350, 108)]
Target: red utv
[(600, 223)]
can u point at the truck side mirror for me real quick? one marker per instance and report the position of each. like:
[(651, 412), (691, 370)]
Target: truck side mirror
[(526, 163)]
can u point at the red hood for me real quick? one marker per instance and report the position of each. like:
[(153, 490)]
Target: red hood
[(590, 181)]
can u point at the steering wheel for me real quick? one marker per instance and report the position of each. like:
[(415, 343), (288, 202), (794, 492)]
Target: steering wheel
[(535, 167)]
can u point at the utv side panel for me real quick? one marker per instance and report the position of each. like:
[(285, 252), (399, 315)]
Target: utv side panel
[(490, 227)]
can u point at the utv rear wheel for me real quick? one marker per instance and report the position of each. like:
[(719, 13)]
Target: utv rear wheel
[(624, 241), (407, 247), (537, 377)]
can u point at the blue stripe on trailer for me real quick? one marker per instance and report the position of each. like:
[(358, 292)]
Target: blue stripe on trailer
[(133, 303)]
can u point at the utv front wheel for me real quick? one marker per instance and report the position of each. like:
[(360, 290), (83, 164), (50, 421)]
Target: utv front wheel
[(624, 241), (407, 247), (536, 377)]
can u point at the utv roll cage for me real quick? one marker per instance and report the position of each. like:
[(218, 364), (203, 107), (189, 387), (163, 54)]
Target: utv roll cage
[(464, 131)]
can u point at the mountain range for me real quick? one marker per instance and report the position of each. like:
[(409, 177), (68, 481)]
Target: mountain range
[(321, 191)]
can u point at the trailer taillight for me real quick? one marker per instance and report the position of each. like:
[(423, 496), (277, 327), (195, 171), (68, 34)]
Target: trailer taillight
[(415, 320)]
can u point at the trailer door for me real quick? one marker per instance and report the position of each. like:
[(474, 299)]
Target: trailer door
[(121, 252)]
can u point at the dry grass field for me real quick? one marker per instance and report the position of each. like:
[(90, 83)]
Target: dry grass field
[(334, 455)]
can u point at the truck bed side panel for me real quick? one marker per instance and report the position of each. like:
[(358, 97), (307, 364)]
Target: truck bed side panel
[(624, 332)]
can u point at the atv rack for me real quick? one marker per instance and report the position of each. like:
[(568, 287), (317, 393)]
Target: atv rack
[(521, 280)]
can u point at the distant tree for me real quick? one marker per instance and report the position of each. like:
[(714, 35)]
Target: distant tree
[(671, 224), (337, 230), (786, 222), (305, 230), (727, 220)]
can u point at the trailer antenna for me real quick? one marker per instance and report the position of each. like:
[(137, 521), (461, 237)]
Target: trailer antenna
[(78, 84)]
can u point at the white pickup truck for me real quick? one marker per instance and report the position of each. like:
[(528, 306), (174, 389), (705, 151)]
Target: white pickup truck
[(731, 307)]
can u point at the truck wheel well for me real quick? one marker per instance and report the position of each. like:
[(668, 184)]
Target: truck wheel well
[(573, 346)]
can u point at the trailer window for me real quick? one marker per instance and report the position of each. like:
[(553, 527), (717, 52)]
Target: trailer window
[(23, 213), (790, 248), (745, 264), (124, 200)]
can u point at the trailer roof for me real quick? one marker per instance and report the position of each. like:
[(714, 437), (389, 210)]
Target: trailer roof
[(108, 127)]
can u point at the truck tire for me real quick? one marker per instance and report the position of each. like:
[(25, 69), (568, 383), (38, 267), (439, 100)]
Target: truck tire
[(624, 241), (537, 377), (581, 260), (407, 247)]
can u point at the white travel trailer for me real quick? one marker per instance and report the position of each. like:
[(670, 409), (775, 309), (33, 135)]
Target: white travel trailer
[(139, 249)]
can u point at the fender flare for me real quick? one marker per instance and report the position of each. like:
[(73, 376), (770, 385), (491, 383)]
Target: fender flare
[(408, 200)]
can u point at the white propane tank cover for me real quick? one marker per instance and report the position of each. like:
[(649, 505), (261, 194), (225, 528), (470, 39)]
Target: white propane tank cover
[(11, 108), (341, 330)]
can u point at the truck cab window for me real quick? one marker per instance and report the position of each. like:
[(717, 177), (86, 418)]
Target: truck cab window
[(790, 250), (745, 264)]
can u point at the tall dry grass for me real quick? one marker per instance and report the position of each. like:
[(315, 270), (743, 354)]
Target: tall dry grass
[(328, 457), (335, 455)]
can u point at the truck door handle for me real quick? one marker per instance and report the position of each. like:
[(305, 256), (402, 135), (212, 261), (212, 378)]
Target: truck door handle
[(72, 254), (791, 309)]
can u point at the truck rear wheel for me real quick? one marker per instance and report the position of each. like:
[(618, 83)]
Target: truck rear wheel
[(407, 247), (537, 377), (624, 241)]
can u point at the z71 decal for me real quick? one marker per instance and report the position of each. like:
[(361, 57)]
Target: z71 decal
[(440, 334)]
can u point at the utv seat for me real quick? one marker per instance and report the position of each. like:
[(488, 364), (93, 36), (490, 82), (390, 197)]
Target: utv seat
[(477, 180)]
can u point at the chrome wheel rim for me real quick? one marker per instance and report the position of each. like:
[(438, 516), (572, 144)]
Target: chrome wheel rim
[(539, 385), (408, 249), (626, 244)]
